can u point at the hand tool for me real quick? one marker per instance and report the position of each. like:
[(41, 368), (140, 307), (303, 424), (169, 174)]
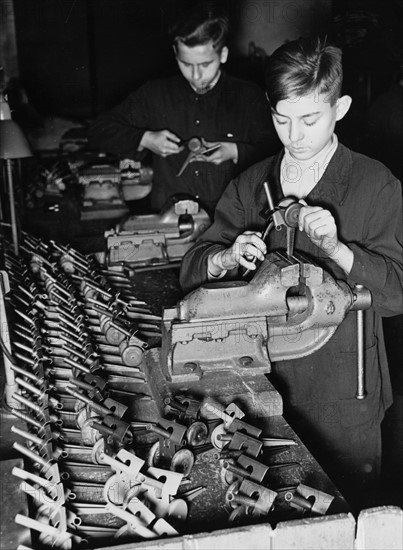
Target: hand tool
[(199, 150), (286, 215)]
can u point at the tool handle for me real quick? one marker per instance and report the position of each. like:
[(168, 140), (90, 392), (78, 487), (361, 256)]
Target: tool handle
[(269, 197)]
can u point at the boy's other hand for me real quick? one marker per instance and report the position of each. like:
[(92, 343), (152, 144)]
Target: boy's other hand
[(226, 151), (247, 247), (320, 226)]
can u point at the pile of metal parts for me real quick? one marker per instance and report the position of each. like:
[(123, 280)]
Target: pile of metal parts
[(76, 340), (50, 183), (106, 462), (157, 239), (240, 447)]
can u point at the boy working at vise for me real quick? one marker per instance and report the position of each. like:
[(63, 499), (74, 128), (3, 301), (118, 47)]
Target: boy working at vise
[(351, 224), (230, 114)]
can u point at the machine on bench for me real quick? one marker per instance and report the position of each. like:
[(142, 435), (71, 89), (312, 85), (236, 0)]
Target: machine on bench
[(157, 239), (224, 336), (290, 309)]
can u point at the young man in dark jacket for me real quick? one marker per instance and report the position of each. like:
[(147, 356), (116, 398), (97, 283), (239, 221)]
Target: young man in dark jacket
[(204, 102), (351, 225)]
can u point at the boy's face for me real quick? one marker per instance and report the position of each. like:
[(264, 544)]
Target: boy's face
[(200, 65), (305, 124)]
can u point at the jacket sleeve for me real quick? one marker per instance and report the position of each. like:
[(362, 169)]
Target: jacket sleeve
[(261, 140), (378, 261), (119, 130), (229, 222)]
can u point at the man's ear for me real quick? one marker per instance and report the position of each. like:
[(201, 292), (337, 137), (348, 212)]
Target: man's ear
[(224, 55), (342, 106)]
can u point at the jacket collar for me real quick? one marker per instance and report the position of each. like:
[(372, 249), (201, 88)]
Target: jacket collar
[(190, 91), (332, 187)]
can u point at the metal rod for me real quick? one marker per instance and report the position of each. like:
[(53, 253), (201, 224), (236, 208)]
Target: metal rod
[(27, 418), (14, 229), (241, 499), (95, 406), (27, 435), (236, 469), (361, 393), (297, 501), (33, 456)]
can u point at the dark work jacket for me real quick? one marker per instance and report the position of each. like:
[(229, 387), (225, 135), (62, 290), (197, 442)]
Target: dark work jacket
[(234, 110), (366, 201)]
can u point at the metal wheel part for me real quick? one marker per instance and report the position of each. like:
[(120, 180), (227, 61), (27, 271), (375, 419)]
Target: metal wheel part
[(197, 434), (178, 509), (182, 462), (132, 356), (154, 455), (231, 491), (97, 449), (228, 476), (90, 435), (114, 491), (218, 430)]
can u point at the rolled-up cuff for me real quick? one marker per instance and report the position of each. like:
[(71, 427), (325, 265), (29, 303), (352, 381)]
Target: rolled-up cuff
[(369, 269)]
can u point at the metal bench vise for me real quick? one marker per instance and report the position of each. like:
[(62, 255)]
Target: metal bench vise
[(157, 239), (289, 309)]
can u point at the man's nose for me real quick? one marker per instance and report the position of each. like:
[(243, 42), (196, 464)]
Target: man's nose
[(196, 73), (295, 132)]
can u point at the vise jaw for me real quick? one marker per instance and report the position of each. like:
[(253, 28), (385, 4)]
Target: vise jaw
[(290, 309)]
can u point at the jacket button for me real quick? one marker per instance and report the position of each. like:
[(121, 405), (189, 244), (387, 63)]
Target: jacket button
[(197, 122), (197, 173)]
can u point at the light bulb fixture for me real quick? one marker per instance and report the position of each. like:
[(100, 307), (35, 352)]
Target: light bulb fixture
[(13, 145)]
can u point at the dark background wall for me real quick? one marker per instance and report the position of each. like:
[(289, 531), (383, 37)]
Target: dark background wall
[(77, 57)]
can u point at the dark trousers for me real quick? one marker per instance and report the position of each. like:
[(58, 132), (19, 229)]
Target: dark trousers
[(350, 455)]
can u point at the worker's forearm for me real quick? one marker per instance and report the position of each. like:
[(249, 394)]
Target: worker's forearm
[(343, 256)]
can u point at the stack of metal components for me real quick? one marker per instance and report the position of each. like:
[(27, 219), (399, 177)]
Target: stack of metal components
[(106, 462), (77, 343)]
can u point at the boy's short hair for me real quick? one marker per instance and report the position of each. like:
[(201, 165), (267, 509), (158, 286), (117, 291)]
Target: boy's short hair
[(202, 24), (302, 67)]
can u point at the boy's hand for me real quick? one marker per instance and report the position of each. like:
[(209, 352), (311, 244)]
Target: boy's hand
[(320, 226), (226, 151), (162, 143), (245, 249)]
